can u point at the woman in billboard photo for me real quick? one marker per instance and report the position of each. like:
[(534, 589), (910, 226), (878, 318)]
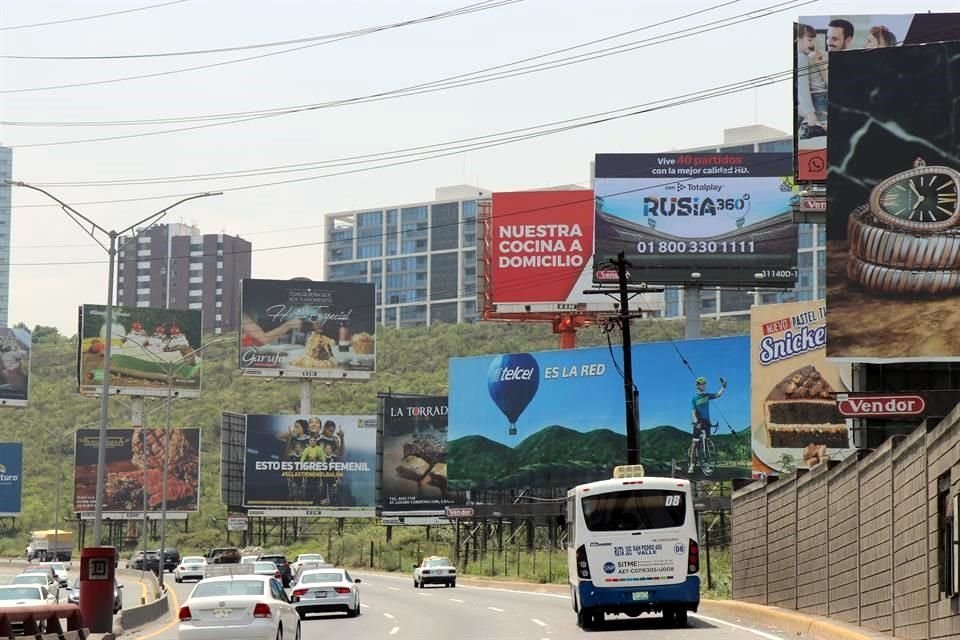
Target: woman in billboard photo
[(879, 37)]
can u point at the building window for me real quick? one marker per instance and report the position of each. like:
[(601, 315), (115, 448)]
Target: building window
[(468, 228), (444, 226), (444, 277), (805, 236), (445, 312), (413, 230), (413, 315), (776, 146)]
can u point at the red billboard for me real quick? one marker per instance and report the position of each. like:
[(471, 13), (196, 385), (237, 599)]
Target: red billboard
[(541, 251)]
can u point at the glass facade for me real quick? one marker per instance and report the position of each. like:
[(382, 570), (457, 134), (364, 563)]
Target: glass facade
[(422, 259)]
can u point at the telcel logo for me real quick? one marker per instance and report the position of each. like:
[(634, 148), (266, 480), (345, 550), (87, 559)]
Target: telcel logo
[(515, 373)]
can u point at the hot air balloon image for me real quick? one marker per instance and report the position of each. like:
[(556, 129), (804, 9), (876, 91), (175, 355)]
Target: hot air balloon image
[(512, 381)]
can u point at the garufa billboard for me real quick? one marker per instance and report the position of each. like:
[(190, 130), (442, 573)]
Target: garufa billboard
[(134, 462), (15, 357), (146, 345), (794, 389), (557, 418), (705, 218), (414, 479), (893, 227), (541, 252), (304, 329), (816, 39), (11, 478), (311, 465)]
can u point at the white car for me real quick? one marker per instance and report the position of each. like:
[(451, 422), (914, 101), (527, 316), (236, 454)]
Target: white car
[(325, 590), (190, 567), (38, 580), (243, 607), (60, 569), (434, 570), (25, 595), (305, 557), (249, 559)]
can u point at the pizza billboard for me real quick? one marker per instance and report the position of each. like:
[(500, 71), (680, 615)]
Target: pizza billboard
[(541, 252), (134, 463), (702, 218), (15, 349), (306, 329), (795, 420), (147, 344)]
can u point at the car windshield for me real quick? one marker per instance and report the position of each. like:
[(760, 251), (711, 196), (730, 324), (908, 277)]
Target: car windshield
[(316, 578), (437, 562), (274, 559), (248, 559), (20, 593), (30, 578), (58, 566), (40, 570), (193, 560), (228, 588), (264, 566), (310, 557), (634, 510)]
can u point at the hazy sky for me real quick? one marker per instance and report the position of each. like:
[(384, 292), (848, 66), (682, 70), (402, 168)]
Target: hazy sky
[(400, 57)]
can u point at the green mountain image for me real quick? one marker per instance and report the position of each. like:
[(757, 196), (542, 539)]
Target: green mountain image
[(557, 456)]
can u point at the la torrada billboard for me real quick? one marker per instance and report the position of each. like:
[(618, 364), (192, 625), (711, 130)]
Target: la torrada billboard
[(557, 418)]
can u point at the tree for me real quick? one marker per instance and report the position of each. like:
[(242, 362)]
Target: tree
[(46, 334)]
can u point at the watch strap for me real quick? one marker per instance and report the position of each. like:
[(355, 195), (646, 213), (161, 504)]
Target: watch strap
[(896, 280), (874, 242)]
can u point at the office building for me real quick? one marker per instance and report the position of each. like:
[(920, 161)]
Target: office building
[(6, 173), (421, 257), (174, 266)]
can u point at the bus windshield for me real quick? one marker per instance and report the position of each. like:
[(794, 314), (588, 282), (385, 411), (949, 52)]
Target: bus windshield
[(634, 509)]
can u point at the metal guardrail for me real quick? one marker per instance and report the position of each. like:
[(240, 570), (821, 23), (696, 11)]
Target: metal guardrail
[(46, 617)]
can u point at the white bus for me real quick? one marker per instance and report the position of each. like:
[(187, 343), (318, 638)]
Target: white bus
[(632, 548)]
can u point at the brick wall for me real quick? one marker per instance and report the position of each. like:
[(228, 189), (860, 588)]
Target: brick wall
[(855, 540)]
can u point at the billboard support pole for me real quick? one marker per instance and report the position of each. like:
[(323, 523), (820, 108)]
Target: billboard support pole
[(163, 482), (692, 308), (136, 411), (633, 453), (306, 396)]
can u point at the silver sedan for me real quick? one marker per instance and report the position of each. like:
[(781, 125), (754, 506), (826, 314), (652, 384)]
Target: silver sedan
[(326, 590)]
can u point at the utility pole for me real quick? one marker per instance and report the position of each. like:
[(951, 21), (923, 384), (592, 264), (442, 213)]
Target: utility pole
[(630, 396)]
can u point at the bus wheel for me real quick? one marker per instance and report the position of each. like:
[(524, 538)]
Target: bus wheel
[(679, 618), (586, 618), (596, 619)]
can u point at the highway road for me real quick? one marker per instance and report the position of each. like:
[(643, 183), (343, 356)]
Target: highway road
[(393, 610)]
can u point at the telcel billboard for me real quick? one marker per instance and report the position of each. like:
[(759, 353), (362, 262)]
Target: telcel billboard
[(706, 218)]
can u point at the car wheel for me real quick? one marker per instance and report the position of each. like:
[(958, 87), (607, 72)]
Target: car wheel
[(453, 584)]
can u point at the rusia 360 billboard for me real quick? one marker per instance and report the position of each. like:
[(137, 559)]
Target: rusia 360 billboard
[(557, 418), (134, 464), (305, 329), (707, 218), (817, 39), (15, 348), (146, 345), (310, 465)]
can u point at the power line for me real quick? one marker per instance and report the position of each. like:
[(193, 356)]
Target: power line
[(472, 8), (99, 15)]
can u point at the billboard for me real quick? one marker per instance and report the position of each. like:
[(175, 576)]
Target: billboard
[(541, 252), (414, 480), (134, 461), (557, 418), (793, 389), (11, 478), (707, 218), (15, 356), (893, 230), (816, 38), (304, 329), (146, 345), (310, 465)]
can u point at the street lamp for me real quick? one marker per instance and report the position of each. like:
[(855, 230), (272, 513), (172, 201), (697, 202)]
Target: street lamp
[(111, 250)]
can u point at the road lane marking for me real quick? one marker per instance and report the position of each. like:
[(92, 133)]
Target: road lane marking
[(174, 615), (539, 622), (394, 588), (394, 630), (388, 616), (421, 593), (365, 606), (495, 609), (455, 600), (761, 634)]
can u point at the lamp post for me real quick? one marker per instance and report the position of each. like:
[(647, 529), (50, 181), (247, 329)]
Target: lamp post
[(112, 250)]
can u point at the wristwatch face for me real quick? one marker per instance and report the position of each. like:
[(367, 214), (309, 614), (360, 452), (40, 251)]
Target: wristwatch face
[(921, 199)]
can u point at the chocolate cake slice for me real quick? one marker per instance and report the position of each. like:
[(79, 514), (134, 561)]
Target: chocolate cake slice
[(802, 410)]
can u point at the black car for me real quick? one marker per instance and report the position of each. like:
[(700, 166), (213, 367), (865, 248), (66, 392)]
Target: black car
[(136, 562), (223, 555), (281, 561), (171, 558), (73, 593)]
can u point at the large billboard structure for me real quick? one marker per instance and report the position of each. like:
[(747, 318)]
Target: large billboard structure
[(414, 478), (11, 478), (134, 463), (893, 227), (696, 218), (816, 39), (147, 345), (310, 465), (795, 420), (15, 372), (555, 419), (540, 253), (304, 329)]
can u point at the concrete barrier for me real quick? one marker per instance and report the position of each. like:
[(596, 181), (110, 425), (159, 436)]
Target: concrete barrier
[(145, 614), (797, 625)]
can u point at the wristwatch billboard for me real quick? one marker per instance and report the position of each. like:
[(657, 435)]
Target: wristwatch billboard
[(907, 238)]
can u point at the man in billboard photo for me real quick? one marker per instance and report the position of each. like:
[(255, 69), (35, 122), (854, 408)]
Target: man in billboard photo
[(812, 102), (839, 35), (700, 412)]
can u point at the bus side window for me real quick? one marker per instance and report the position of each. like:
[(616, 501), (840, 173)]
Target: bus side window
[(571, 519)]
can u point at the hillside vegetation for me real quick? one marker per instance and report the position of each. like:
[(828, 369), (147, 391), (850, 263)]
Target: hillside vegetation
[(408, 361)]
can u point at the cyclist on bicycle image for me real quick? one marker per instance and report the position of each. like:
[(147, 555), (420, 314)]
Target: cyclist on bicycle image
[(701, 414)]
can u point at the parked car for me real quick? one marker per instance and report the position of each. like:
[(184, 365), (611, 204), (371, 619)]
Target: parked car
[(223, 555), (325, 590), (434, 570), (247, 606), (73, 595), (191, 567), (281, 561)]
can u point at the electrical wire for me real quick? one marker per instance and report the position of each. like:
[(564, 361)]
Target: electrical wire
[(99, 15), (472, 8)]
